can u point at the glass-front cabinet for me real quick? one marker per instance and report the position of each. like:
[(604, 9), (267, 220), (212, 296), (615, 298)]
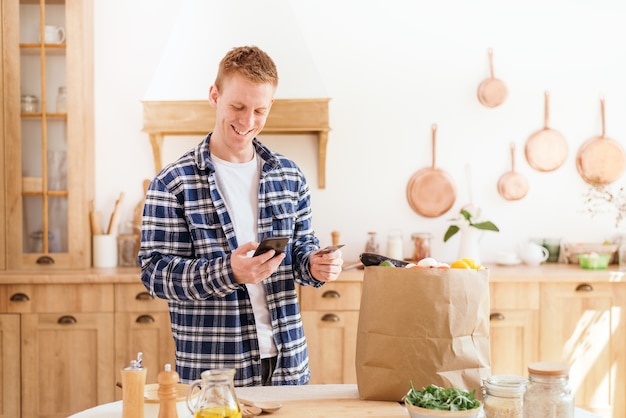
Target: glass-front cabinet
[(47, 136)]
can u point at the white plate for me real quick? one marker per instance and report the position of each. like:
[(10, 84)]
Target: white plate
[(509, 262)]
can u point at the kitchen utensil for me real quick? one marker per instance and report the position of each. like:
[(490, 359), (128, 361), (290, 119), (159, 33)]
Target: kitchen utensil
[(95, 218), (492, 92), (546, 149), (431, 191), (512, 185), (250, 411), (114, 222), (600, 160), (266, 407)]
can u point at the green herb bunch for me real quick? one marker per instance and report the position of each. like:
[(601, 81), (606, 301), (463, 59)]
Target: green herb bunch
[(442, 399)]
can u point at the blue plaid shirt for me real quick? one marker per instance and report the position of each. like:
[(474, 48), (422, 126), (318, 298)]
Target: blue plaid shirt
[(186, 240)]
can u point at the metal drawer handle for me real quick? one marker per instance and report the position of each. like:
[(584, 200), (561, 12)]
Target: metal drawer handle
[(330, 317), (45, 259), (144, 319), (144, 296), (19, 297), (331, 294), (67, 320), (497, 316), (584, 288)]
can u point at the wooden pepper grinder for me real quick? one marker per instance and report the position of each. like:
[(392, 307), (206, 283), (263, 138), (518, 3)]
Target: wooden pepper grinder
[(168, 392), (133, 385), (335, 235)]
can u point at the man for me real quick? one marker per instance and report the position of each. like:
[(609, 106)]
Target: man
[(203, 217)]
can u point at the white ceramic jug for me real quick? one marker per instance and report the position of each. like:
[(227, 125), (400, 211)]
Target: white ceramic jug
[(533, 254)]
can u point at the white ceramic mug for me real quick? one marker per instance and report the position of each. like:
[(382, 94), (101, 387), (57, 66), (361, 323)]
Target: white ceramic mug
[(54, 34), (104, 250)]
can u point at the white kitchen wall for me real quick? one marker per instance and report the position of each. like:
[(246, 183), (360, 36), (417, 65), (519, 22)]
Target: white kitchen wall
[(392, 69)]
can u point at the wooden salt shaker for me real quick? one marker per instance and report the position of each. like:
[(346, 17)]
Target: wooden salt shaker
[(168, 392)]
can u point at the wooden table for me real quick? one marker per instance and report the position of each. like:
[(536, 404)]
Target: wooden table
[(308, 401)]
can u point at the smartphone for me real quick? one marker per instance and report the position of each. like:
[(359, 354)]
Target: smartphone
[(277, 244)]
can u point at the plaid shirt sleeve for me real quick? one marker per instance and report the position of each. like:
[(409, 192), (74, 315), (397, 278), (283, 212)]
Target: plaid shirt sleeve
[(186, 240)]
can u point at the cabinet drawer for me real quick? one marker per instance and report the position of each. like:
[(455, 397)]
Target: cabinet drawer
[(42, 298), (514, 295), (136, 298), (331, 296)]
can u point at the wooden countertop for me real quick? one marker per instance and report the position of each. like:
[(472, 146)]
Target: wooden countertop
[(547, 272)]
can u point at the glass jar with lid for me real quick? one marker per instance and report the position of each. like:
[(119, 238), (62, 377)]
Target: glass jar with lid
[(421, 245), (504, 396), (371, 246), (30, 103), (548, 393)]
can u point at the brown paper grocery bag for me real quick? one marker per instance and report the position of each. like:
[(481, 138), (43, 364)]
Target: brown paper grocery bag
[(422, 325)]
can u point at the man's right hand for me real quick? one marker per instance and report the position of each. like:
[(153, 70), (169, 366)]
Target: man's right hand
[(253, 270)]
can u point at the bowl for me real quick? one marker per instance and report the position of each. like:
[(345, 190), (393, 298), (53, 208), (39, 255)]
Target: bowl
[(594, 261), (571, 251), (417, 412)]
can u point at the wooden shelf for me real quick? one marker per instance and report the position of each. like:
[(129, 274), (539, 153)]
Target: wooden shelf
[(197, 117)]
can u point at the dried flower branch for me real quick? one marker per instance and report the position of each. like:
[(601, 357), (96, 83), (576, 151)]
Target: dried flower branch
[(605, 199)]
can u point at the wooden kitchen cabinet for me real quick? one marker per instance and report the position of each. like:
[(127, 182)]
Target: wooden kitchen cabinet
[(330, 315), (582, 324), (10, 371), (514, 326), (66, 347), (46, 148), (142, 324)]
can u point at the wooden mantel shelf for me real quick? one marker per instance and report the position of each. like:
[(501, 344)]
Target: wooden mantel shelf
[(196, 117)]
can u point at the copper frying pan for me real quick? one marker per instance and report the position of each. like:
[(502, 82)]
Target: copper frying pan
[(512, 185), (546, 149), (492, 92), (431, 191), (600, 159)]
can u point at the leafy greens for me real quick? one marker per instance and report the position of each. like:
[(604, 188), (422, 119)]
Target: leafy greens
[(443, 399)]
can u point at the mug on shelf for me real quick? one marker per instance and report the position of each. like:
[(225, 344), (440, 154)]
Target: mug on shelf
[(54, 34)]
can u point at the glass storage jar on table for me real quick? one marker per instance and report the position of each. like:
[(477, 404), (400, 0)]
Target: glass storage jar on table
[(548, 393), (504, 396)]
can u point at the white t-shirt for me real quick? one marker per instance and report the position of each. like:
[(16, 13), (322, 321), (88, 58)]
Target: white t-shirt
[(239, 184)]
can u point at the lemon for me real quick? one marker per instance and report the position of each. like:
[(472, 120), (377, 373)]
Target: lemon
[(459, 264), (470, 262)]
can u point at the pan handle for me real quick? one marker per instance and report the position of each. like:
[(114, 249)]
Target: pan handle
[(490, 53), (434, 142), (602, 114), (512, 145), (547, 109)]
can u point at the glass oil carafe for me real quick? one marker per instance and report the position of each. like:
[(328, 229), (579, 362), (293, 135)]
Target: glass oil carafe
[(216, 398)]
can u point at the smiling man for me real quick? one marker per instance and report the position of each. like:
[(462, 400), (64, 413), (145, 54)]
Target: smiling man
[(203, 218)]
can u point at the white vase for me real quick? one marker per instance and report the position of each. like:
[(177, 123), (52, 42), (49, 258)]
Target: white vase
[(469, 247)]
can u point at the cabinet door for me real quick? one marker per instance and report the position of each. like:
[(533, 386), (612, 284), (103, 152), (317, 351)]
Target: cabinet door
[(48, 145), (10, 370), (578, 326), (331, 339), (148, 332), (66, 363), (513, 336)]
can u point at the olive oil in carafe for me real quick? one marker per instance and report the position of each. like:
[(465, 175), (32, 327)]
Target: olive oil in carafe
[(218, 412)]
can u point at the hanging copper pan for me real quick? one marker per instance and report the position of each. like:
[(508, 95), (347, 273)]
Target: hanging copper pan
[(431, 191), (512, 185), (546, 149), (492, 92), (600, 160)]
